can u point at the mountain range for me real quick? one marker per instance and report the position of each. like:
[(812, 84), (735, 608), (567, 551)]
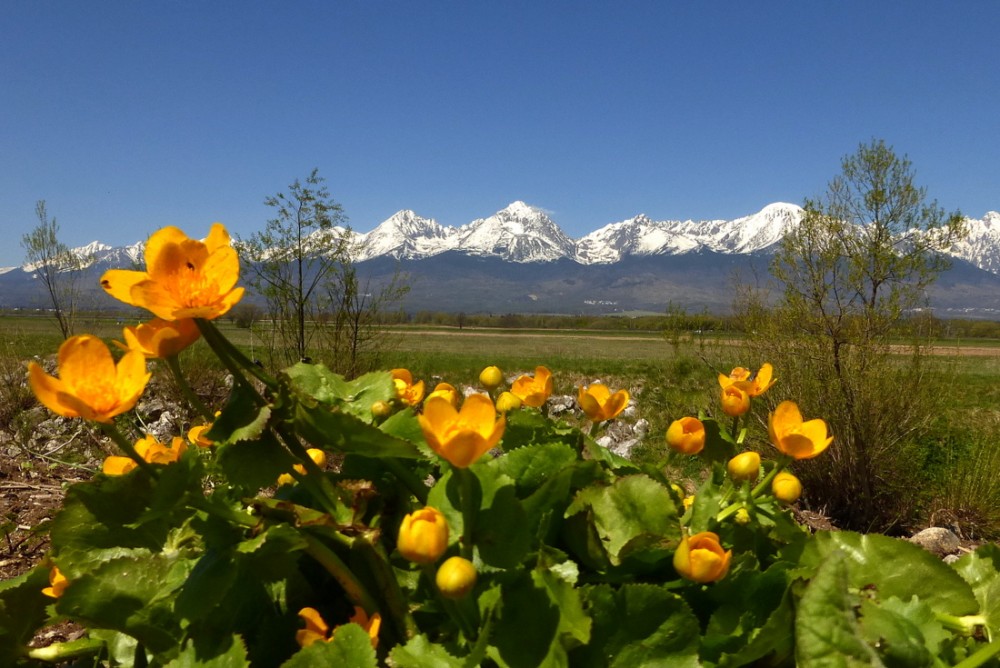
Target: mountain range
[(520, 260)]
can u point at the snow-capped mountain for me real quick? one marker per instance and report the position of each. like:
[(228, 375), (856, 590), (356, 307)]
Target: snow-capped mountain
[(518, 233), (981, 246), (407, 235)]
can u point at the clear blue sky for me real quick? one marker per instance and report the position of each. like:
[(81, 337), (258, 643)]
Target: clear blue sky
[(127, 116)]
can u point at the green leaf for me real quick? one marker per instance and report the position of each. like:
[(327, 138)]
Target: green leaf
[(527, 612), (719, 445), (531, 466), (634, 518), (230, 653), (419, 652), (638, 625), (22, 611), (898, 641), (981, 569), (350, 646), (827, 633), (890, 566), (501, 531), (528, 427), (255, 464), (132, 595), (317, 384), (240, 419), (343, 432)]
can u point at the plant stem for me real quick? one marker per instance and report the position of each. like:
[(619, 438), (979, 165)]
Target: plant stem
[(112, 432), (173, 363), (780, 465), (336, 567), (980, 656), (465, 479), (224, 348), (410, 481), (373, 554)]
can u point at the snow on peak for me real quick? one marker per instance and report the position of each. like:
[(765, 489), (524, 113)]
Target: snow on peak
[(405, 235), (518, 233)]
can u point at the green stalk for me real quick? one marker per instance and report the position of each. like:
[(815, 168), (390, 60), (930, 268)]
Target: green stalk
[(112, 432), (173, 363), (223, 512), (782, 463), (465, 479), (980, 656), (454, 609), (63, 651), (410, 481), (336, 567), (374, 555), (224, 348), (221, 347)]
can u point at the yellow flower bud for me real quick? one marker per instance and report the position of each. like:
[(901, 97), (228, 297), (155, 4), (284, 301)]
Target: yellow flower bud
[(423, 536), (744, 466), (507, 402), (700, 558), (742, 517), (456, 577), (686, 435), (491, 377), (735, 402), (688, 501), (381, 410), (786, 487)]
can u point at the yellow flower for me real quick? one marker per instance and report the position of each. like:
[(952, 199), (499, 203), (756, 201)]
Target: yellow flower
[(462, 436), (150, 450), (423, 536), (744, 466), (786, 487), (319, 458), (491, 377), (792, 436), (686, 435), (196, 435), (700, 558), (753, 384), (161, 338), (533, 391), (407, 391), (456, 577), (742, 517), (317, 630), (599, 404), (447, 391), (184, 278), (507, 402), (57, 583), (688, 501), (381, 410), (735, 401), (90, 385)]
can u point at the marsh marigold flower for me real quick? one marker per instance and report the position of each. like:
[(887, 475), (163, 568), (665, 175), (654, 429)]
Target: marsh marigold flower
[(735, 402), (491, 377), (90, 385), (57, 583), (184, 278), (507, 402), (599, 404), (447, 391), (534, 390), (319, 458), (686, 436), (196, 435), (423, 536), (744, 466), (150, 450), (754, 384), (786, 487), (407, 391), (317, 630), (792, 436), (700, 558), (161, 338), (461, 436), (456, 577)]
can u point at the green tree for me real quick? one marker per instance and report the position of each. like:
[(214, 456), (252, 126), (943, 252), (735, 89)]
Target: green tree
[(357, 334), (292, 259), (856, 266), (56, 266)]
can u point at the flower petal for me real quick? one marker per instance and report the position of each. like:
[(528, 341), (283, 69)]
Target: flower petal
[(50, 391), (119, 283)]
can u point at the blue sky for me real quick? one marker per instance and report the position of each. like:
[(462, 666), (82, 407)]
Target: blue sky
[(127, 116)]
